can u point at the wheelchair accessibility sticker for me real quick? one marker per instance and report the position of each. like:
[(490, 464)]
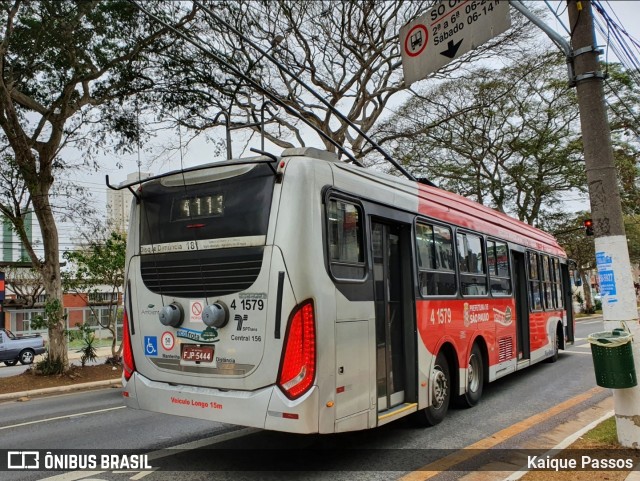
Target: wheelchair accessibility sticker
[(150, 345)]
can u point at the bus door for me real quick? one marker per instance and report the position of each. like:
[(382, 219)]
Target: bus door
[(568, 303), (523, 346), (389, 258)]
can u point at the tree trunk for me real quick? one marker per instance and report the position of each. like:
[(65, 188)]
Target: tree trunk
[(51, 279), (586, 288)]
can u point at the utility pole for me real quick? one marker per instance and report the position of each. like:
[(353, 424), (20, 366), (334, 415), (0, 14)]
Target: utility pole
[(612, 254)]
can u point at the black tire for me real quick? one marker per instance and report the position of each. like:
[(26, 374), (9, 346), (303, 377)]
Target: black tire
[(26, 356), (440, 394), (556, 347), (11, 363), (475, 379)]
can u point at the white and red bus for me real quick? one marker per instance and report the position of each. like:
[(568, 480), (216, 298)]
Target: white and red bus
[(302, 294)]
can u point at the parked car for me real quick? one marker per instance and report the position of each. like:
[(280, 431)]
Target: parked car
[(19, 348)]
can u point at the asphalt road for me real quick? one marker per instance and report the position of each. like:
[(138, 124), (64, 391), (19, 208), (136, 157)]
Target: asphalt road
[(97, 420)]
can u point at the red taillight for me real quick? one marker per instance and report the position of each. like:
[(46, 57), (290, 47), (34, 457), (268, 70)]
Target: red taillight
[(128, 365), (298, 364)]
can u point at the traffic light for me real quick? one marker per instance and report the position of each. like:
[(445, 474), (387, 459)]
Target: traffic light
[(588, 226)]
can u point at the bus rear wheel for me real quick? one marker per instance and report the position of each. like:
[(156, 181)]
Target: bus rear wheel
[(475, 379), (440, 393)]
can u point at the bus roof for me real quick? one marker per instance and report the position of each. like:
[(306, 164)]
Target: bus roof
[(439, 204)]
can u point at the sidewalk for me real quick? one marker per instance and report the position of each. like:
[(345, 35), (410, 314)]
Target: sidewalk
[(564, 435)]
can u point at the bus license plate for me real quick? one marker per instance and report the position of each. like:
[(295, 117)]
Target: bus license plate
[(197, 353)]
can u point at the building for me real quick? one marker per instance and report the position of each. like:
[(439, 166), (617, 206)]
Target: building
[(12, 247), (119, 203)]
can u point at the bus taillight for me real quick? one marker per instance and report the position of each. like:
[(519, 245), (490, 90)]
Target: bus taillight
[(298, 364), (128, 365)]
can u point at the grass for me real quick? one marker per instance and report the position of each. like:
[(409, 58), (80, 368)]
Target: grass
[(603, 442), (78, 343), (604, 433), (581, 314)]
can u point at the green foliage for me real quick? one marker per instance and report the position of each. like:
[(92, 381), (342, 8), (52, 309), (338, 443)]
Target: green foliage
[(51, 318), (69, 69), (507, 138), (510, 137), (49, 366), (605, 432), (632, 229), (101, 262), (87, 336), (571, 236)]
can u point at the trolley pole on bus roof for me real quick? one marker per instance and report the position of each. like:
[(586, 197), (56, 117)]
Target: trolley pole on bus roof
[(612, 254)]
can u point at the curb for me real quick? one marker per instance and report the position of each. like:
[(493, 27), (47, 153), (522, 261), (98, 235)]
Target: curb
[(588, 318), (12, 396)]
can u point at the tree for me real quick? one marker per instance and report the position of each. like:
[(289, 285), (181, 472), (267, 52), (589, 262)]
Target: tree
[(504, 137), (632, 228), (68, 69), (347, 51), (509, 137), (579, 248), (100, 263), (26, 283), (623, 100)]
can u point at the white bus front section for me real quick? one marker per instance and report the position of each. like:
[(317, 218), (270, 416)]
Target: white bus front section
[(240, 385)]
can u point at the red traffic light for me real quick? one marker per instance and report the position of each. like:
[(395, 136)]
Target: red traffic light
[(588, 226)]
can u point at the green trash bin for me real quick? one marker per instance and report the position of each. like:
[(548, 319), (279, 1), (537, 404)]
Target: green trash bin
[(612, 353)]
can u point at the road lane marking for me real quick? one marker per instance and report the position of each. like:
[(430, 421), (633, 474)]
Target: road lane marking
[(598, 321), (61, 417), (215, 439), (72, 476), (437, 467)]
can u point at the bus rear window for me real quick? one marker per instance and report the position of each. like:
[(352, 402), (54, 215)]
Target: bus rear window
[(229, 208)]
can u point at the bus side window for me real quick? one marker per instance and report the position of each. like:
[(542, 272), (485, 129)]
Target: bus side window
[(473, 273), (547, 281), (557, 284), (535, 291), (499, 272), (435, 260), (345, 240)]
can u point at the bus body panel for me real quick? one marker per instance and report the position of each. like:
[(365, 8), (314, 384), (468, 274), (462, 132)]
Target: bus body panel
[(355, 389), (264, 408), (299, 234)]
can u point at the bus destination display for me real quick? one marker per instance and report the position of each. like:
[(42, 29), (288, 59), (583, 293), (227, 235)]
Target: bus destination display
[(186, 208)]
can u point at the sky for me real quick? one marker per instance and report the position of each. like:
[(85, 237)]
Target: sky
[(627, 13)]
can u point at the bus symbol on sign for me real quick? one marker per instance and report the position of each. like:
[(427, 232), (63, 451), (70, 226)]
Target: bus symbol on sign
[(416, 40)]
